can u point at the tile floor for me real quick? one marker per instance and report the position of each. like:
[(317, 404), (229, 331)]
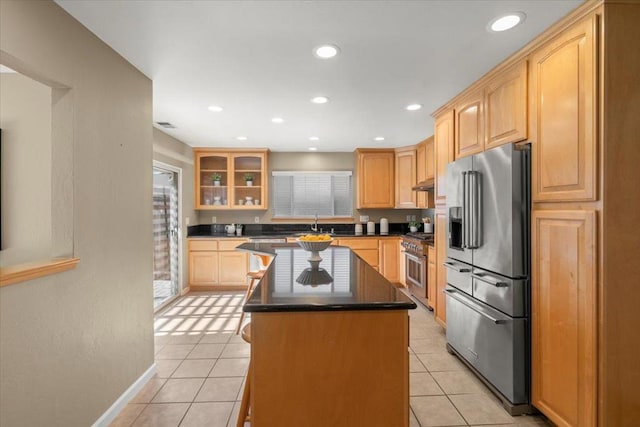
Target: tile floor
[(201, 366)]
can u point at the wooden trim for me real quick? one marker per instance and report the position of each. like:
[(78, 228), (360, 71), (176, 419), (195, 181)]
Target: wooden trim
[(229, 150), (23, 272), (207, 288), (554, 30)]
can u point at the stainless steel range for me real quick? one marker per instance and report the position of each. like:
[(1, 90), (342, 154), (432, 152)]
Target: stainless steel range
[(415, 254)]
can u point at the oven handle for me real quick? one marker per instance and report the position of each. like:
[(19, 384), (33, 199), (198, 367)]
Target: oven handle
[(452, 266), (484, 278), (451, 293)]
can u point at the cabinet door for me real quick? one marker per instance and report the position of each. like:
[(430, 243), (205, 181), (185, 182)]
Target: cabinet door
[(233, 268), (212, 180), (469, 125), (506, 107), (203, 268), (421, 173), (564, 316), (405, 179), (376, 186), (431, 279), (443, 145), (441, 274), (389, 257), (430, 162), (563, 121), (369, 255), (249, 181)]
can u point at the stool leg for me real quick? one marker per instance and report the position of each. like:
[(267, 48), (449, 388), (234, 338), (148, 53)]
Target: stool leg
[(246, 297), (246, 397)]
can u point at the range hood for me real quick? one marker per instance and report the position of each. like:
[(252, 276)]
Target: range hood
[(426, 185)]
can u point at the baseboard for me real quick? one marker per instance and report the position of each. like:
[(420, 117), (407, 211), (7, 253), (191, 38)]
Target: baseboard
[(185, 291), (117, 407)]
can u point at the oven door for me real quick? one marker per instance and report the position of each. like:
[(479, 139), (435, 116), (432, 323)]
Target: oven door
[(416, 275)]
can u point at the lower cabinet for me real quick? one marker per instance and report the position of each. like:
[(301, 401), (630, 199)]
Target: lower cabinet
[(441, 274), (215, 264), (563, 360), (389, 259), (431, 278)]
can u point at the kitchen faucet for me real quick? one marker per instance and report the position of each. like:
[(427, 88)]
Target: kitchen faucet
[(314, 227)]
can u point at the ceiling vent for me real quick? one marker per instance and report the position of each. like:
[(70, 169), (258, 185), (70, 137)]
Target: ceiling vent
[(166, 125)]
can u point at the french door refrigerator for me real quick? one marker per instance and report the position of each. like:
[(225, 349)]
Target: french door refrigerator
[(488, 291)]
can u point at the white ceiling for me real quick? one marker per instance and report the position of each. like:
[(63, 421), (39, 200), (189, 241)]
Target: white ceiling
[(254, 58)]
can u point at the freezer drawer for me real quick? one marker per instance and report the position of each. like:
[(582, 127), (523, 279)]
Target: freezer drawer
[(459, 275), (502, 293), (492, 342)]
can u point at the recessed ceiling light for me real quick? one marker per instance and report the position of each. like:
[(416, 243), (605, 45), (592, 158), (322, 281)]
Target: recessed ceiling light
[(326, 51), (314, 138), (241, 138), (379, 138), (215, 108), (320, 100), (313, 149), (277, 120), (413, 107), (506, 22)]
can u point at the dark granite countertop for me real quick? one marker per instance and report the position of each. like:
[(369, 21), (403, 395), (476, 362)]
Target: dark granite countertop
[(342, 282), (276, 235)]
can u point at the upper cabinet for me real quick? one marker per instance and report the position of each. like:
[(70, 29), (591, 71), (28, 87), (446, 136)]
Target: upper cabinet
[(375, 175), (406, 177), (425, 163), (230, 179), (443, 144), (506, 106), (563, 116), (469, 125)]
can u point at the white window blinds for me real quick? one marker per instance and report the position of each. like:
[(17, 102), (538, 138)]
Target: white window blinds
[(304, 194)]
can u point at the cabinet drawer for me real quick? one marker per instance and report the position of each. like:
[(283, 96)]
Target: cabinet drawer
[(362, 243), (230, 244), (203, 245)]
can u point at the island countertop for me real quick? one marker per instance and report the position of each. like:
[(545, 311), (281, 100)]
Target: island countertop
[(343, 282)]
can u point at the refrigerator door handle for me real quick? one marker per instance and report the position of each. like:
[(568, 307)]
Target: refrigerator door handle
[(485, 278), (452, 294), (465, 210), (453, 267), (473, 210)]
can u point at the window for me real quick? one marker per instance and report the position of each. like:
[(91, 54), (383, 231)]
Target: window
[(305, 194)]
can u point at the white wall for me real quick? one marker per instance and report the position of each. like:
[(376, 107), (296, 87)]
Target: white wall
[(25, 120), (72, 343)]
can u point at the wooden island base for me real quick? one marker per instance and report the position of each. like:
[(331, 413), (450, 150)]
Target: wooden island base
[(330, 368)]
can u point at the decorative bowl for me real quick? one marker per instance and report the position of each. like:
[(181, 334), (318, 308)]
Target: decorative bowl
[(314, 247), (314, 277)]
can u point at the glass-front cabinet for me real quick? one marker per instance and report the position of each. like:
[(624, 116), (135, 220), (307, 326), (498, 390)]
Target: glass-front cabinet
[(230, 179)]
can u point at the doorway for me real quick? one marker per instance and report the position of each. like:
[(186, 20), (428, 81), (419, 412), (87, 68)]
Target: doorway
[(166, 234)]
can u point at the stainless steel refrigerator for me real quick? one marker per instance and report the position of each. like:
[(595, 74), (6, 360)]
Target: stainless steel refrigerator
[(488, 291)]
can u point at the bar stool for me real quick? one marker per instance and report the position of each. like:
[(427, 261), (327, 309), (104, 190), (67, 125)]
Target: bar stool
[(243, 415), (254, 277)]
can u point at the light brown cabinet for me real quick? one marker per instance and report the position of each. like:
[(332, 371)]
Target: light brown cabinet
[(431, 278), (230, 179), (405, 178), (564, 312), (376, 178), (505, 99), (563, 116), (215, 264), (443, 145), (425, 164), (389, 259), (469, 125), (441, 274)]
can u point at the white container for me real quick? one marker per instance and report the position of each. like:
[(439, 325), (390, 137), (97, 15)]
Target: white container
[(384, 226), (358, 230), (428, 227), (371, 228)]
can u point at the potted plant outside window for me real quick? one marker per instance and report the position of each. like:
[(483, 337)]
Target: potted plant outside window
[(215, 178), (248, 179)]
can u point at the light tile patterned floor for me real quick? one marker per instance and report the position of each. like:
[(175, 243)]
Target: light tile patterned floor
[(201, 366)]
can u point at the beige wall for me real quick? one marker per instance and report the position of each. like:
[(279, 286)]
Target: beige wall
[(168, 150), (25, 120), (286, 161), (72, 343)]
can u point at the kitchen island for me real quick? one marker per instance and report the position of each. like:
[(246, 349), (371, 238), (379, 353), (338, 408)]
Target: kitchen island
[(329, 344)]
